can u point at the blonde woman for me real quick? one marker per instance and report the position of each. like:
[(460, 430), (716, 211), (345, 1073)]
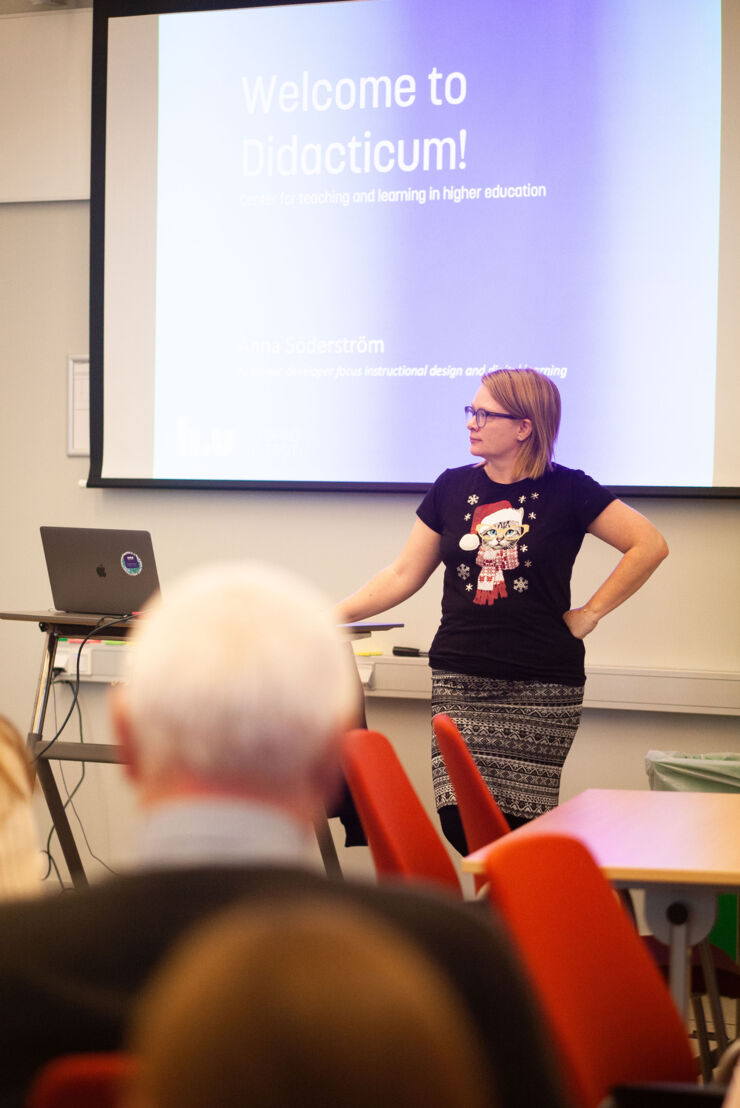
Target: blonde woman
[(20, 870), (508, 658)]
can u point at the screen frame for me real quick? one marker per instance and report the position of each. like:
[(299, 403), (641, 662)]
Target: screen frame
[(103, 11)]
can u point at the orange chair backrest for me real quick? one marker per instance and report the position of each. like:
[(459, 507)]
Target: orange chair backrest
[(94, 1080), (402, 839), (482, 819), (612, 1018)]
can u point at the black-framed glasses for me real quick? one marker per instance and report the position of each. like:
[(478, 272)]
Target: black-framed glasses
[(481, 415)]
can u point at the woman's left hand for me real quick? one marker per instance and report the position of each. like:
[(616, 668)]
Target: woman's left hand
[(581, 621), (642, 547)]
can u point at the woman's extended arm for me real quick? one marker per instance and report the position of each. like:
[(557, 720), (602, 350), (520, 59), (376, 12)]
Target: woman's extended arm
[(643, 549), (403, 577)]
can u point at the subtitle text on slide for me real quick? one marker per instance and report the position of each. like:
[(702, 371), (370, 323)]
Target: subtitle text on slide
[(345, 198), (428, 370)]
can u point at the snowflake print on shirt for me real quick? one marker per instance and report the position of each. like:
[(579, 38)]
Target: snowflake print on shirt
[(494, 532)]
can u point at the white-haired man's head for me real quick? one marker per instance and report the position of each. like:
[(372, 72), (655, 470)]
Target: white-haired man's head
[(238, 681)]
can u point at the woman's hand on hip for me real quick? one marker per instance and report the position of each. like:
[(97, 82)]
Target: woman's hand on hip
[(581, 621)]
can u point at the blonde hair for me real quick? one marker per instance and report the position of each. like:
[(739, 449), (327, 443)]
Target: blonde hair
[(15, 770), (20, 860), (528, 394), (303, 1002)]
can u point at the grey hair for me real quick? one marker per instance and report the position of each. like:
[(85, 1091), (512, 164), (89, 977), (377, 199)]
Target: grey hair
[(239, 670)]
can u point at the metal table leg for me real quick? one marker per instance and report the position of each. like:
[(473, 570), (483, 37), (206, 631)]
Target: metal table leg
[(37, 754)]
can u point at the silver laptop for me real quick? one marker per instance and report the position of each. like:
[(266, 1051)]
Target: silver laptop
[(99, 570)]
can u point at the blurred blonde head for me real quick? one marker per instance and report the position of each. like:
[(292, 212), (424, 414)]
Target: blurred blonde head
[(20, 867), (302, 1003)]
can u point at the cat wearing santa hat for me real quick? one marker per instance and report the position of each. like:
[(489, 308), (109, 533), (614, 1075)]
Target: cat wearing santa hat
[(495, 530)]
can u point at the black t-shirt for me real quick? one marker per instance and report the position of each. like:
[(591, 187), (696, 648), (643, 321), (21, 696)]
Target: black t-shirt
[(508, 552)]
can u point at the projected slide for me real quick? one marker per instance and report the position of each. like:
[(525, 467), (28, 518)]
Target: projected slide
[(361, 207)]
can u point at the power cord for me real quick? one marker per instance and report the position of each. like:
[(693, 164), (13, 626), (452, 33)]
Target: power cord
[(50, 860), (69, 802), (94, 632), (70, 797)]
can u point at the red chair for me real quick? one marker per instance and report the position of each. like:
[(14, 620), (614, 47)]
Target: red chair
[(402, 839), (482, 819), (484, 823), (82, 1081), (611, 1017)]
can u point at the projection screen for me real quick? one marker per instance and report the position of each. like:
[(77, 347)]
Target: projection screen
[(316, 225)]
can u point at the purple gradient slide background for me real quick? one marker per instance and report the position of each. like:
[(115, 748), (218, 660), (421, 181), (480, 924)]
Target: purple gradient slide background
[(612, 275)]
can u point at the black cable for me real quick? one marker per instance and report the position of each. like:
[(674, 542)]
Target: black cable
[(95, 631), (69, 802), (70, 797), (50, 859), (51, 863)]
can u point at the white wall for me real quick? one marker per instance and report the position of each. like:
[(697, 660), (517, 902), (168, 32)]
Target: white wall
[(685, 618), (45, 69)]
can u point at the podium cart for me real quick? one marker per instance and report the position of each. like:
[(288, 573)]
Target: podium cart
[(56, 626)]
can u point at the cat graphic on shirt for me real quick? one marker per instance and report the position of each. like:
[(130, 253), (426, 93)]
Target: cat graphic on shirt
[(495, 531)]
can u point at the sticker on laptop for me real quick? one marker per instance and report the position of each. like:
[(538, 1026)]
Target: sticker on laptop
[(131, 563)]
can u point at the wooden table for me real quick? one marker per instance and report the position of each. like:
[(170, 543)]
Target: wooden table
[(682, 848)]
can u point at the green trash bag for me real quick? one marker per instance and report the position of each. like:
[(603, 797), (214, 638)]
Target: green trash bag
[(675, 771)]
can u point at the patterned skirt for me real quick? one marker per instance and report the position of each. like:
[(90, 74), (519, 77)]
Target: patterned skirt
[(519, 733)]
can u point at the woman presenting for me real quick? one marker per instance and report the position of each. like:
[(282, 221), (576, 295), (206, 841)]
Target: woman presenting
[(508, 658)]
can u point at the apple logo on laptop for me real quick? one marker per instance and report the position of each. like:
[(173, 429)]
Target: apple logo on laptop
[(101, 571)]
